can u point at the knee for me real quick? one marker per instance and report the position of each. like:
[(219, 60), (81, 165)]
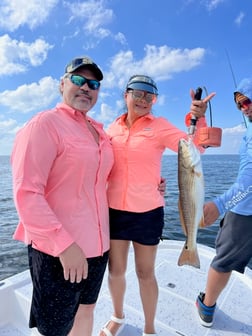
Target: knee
[(144, 275), (116, 271), (118, 274)]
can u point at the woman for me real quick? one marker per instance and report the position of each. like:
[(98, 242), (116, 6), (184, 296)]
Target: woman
[(136, 205)]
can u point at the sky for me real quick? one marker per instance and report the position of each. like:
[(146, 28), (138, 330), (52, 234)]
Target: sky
[(181, 44)]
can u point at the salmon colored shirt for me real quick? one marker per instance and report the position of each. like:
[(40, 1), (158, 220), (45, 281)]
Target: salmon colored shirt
[(59, 179), (135, 176)]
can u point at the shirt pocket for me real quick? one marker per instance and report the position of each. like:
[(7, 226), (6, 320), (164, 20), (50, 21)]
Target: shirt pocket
[(142, 139), (78, 150)]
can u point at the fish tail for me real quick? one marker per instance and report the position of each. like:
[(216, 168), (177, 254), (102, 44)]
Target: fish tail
[(189, 257)]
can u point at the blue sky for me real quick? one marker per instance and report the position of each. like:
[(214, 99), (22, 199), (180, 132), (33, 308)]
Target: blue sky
[(182, 44)]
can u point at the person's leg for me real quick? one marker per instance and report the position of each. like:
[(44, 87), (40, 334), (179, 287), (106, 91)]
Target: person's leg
[(84, 317), (118, 256), (53, 306), (233, 251), (145, 269), (216, 282), (206, 302), (83, 322)]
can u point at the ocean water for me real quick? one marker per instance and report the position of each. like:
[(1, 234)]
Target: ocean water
[(219, 172)]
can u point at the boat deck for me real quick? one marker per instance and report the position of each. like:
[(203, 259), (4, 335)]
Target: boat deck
[(176, 312)]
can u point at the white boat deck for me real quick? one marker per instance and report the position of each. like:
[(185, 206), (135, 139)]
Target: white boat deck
[(176, 312)]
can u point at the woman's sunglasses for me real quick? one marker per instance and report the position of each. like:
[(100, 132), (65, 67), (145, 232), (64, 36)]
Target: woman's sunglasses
[(139, 95), (79, 80)]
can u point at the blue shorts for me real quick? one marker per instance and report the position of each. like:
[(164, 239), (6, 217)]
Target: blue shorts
[(55, 301), (141, 227), (233, 243)]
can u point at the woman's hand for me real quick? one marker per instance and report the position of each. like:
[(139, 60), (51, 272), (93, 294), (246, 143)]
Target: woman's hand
[(198, 107), (162, 186)]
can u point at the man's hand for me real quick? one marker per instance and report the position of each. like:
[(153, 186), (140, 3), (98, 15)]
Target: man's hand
[(74, 263), (211, 213)]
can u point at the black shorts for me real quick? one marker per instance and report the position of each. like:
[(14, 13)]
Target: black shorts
[(233, 243), (55, 301), (141, 227)]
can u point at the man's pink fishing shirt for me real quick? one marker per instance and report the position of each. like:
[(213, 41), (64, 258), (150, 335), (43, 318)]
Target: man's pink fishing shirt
[(60, 178)]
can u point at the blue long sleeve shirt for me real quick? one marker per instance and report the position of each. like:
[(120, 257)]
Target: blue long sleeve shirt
[(238, 198)]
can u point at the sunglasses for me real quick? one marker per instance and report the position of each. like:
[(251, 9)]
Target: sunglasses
[(243, 104), (79, 80), (139, 95)]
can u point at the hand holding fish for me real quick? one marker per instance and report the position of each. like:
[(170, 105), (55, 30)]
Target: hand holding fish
[(198, 107), (211, 213)]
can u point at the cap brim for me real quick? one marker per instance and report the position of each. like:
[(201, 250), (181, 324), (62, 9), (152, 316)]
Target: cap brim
[(142, 87), (97, 72)]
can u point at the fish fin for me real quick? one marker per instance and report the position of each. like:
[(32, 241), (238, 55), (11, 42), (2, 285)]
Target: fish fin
[(189, 257), (202, 222), (198, 174), (182, 218)]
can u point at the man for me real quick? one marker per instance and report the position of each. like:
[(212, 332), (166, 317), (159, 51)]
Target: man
[(234, 240), (61, 161)]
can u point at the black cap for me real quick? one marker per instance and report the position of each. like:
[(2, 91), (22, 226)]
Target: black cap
[(84, 61)]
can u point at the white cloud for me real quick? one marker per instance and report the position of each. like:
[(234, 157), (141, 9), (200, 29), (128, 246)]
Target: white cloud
[(231, 140), (158, 62), (31, 97), (213, 4), (28, 98), (120, 37), (239, 129), (8, 129), (94, 13), (16, 13), (94, 16), (106, 115), (5, 125), (239, 18), (16, 56), (161, 100)]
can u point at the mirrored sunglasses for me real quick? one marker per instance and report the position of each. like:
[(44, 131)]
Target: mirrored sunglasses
[(79, 80), (243, 104), (150, 98)]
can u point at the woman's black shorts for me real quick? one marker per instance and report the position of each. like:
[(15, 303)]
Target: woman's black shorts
[(141, 227), (55, 301)]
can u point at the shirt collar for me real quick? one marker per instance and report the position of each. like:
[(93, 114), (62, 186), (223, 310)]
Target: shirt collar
[(75, 114), (122, 118)]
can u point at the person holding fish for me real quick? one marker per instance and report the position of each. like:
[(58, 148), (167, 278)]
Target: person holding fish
[(136, 206), (234, 239)]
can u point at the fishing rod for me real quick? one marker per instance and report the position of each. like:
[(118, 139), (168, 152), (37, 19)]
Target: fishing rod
[(207, 136), (234, 80), (193, 120)]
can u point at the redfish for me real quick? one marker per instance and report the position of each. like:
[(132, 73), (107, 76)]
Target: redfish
[(191, 199)]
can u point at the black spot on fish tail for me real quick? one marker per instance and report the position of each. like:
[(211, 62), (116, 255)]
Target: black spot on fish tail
[(189, 257)]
